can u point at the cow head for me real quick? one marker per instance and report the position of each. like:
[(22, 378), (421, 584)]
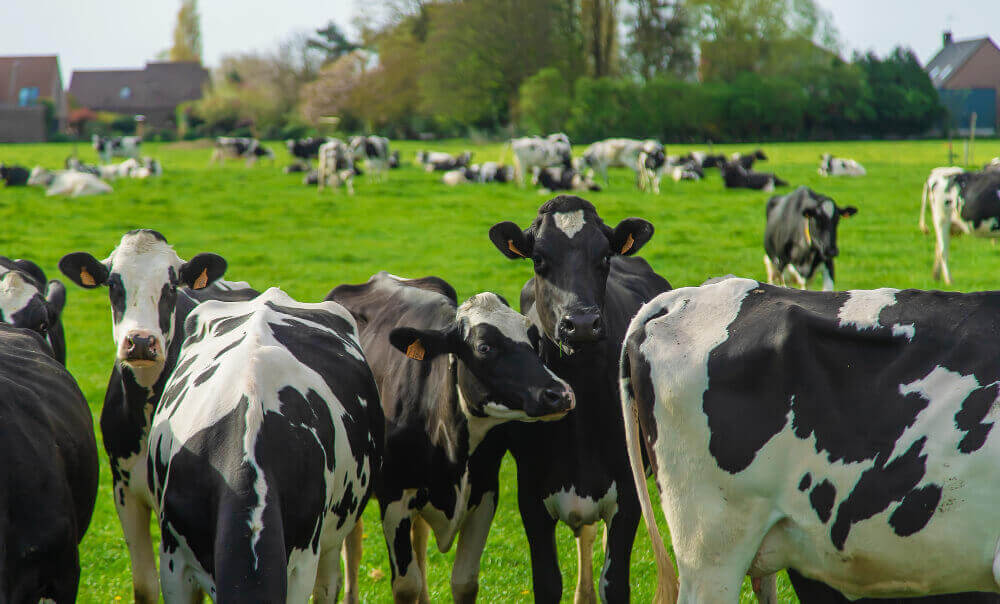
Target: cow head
[(26, 299), (499, 374), (571, 249), (142, 275), (821, 219)]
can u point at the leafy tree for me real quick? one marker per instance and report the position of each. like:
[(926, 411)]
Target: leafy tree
[(187, 33), (599, 25), (544, 102), (904, 100), (660, 38), (332, 42)]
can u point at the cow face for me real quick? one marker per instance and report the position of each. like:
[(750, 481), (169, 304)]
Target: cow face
[(571, 249), (821, 225), (26, 300), (142, 275), (499, 373)]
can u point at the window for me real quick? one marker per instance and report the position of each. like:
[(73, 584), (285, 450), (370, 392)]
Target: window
[(28, 96), (125, 93)]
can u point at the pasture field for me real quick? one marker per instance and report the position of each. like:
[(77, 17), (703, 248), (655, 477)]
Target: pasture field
[(275, 232)]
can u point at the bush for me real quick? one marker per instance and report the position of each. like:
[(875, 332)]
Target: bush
[(544, 102)]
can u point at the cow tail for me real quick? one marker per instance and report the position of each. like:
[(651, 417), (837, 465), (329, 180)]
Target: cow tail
[(666, 576)]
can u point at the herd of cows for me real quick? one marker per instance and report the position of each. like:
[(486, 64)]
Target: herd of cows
[(845, 436)]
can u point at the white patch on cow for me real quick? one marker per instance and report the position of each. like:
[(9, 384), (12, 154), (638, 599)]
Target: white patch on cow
[(577, 510), (945, 390), (904, 329), (569, 223), (863, 307), (487, 309), (15, 293), (828, 208)]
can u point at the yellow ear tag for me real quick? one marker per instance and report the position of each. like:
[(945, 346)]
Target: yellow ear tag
[(511, 247), (415, 350), (628, 243), (202, 279), (809, 239), (86, 278)]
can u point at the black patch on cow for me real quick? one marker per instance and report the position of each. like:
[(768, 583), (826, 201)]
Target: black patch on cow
[(165, 306), (916, 510), (401, 546), (821, 498), (116, 291), (204, 376), (229, 347), (805, 482), (155, 234), (320, 317), (969, 418), (221, 327)]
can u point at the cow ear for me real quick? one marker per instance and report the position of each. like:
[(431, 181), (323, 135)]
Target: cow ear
[(630, 235), (31, 268), (511, 240), (55, 295), (848, 211), (84, 270), (202, 270), (422, 344)]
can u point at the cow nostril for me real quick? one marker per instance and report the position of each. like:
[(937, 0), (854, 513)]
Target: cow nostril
[(597, 325), (567, 325), (552, 396)]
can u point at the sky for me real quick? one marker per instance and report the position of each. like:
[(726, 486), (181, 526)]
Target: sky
[(126, 33)]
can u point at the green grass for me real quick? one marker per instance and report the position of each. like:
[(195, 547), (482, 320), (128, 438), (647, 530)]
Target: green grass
[(275, 232)]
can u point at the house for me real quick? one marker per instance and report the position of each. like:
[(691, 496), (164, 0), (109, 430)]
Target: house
[(154, 92), (967, 76), (26, 83)]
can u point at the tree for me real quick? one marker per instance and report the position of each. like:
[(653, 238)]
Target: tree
[(904, 100), (599, 25), (544, 102), (187, 33), (332, 42), (660, 39)]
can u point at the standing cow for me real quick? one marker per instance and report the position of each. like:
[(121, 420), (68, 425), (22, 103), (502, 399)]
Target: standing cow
[(961, 202), (263, 451), (29, 300), (447, 375), (801, 236), (109, 147), (374, 150), (532, 152), (151, 291), (587, 283)]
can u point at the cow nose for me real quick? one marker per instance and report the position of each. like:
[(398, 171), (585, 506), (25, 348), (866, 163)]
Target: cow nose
[(141, 348), (581, 328)]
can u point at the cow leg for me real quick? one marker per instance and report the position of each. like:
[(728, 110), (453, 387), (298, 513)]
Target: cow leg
[(326, 587), (418, 535), (766, 589), (942, 232), (614, 583), (772, 274), (827, 270), (134, 517), (397, 518), (797, 276), (177, 584), (540, 528), (352, 559), (585, 593), (469, 551)]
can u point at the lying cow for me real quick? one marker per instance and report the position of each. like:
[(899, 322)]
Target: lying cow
[(14, 176), (249, 149), (961, 202), (493, 172), (684, 168), (459, 176), (439, 161), (305, 148), (109, 147), (801, 236), (560, 178), (104, 172), (73, 184), (618, 153), (531, 152), (394, 159), (747, 160), (846, 435), (30, 301), (374, 151), (263, 451), (49, 480), (704, 160), (447, 376), (736, 176), (837, 166), (336, 166)]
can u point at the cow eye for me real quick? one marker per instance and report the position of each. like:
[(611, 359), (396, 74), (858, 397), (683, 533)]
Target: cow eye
[(483, 349)]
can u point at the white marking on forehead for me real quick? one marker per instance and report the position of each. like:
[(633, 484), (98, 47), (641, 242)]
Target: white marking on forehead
[(486, 308), (828, 208), (15, 292), (863, 307), (570, 223)]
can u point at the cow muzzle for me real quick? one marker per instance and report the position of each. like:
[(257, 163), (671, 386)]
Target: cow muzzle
[(552, 403), (141, 350), (580, 328)]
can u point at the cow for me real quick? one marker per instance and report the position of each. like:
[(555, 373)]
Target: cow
[(394, 159), (73, 184), (109, 147), (493, 172), (448, 374), (559, 178), (73, 164), (684, 168), (14, 176), (650, 167), (299, 166), (249, 149), (961, 202), (994, 165), (241, 518), (459, 176), (837, 166), (49, 482), (30, 301), (816, 592), (587, 283), (747, 160), (336, 166), (736, 176), (151, 292), (438, 161), (374, 150), (845, 435), (532, 152), (800, 235), (306, 148), (619, 153), (704, 160), (934, 186)]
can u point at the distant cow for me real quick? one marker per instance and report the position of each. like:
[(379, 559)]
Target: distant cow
[(49, 481), (801, 236), (299, 166), (993, 165), (493, 172), (962, 202), (559, 178), (305, 148), (704, 160), (336, 166), (249, 149), (459, 176), (73, 164), (30, 301), (650, 167), (684, 168), (394, 159), (73, 184), (747, 160), (374, 150), (14, 176), (532, 152), (619, 153), (438, 161), (836, 166), (737, 177), (108, 147)]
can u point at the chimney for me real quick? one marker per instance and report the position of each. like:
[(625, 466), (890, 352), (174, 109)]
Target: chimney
[(946, 38)]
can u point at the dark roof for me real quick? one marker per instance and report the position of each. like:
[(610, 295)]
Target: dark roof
[(20, 72), (159, 85), (951, 58)]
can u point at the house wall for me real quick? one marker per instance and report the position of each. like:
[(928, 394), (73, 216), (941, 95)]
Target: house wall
[(982, 70), (22, 124)]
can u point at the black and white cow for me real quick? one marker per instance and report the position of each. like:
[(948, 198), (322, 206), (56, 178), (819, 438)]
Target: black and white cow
[(374, 150), (492, 171), (559, 178), (961, 202), (30, 301), (447, 375), (305, 148), (747, 160), (619, 153), (736, 176), (439, 161), (816, 592), (151, 291), (109, 147), (337, 166), (532, 152), (846, 435), (249, 149), (838, 166), (704, 160), (14, 176), (48, 486), (684, 168), (587, 283), (801, 236), (263, 451), (67, 182), (649, 170), (394, 159)]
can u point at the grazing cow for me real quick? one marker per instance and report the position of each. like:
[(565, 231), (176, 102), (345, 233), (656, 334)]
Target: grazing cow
[(306, 148), (837, 166), (650, 167), (619, 153), (586, 286), (151, 291), (845, 435), (249, 149), (14, 176), (801, 235), (30, 301), (311, 179), (961, 202), (240, 517), (374, 150), (532, 152), (109, 147), (336, 166), (48, 486), (438, 161), (560, 178), (747, 160), (73, 184), (736, 176), (447, 376)]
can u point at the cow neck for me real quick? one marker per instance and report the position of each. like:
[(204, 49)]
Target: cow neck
[(476, 427), (452, 433), (587, 372)]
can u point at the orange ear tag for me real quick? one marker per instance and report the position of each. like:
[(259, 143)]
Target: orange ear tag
[(86, 278), (202, 279), (628, 243), (415, 350), (511, 247)]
